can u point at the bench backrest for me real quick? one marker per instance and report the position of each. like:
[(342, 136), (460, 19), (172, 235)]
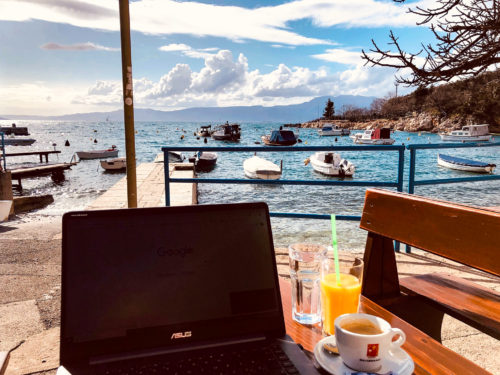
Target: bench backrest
[(468, 235)]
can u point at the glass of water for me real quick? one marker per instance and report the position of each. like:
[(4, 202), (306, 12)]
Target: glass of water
[(305, 269)]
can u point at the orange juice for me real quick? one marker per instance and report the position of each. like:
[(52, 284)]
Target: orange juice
[(338, 299)]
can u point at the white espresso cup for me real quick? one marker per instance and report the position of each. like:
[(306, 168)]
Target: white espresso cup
[(365, 351)]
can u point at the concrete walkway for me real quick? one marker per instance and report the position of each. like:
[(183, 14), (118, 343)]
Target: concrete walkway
[(151, 187)]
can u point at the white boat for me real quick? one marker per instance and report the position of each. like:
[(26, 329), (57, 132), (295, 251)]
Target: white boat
[(259, 168), (469, 133), (17, 141), (333, 130), (5, 209), (114, 164), (331, 164), (461, 164), (373, 137), (98, 154), (175, 156)]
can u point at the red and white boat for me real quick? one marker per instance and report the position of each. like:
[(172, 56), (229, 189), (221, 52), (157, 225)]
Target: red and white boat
[(373, 137)]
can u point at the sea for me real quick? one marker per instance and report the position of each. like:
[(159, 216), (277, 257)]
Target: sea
[(87, 180)]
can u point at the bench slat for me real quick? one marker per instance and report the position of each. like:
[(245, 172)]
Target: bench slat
[(463, 299), (464, 234)]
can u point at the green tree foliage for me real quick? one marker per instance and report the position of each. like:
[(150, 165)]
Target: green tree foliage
[(329, 110), (475, 98)]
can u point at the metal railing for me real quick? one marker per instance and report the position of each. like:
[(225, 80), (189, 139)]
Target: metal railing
[(398, 183), (413, 158), (3, 151)]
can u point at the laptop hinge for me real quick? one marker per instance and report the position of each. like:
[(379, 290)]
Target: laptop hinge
[(162, 351)]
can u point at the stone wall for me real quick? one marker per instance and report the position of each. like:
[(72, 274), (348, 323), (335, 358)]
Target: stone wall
[(418, 122)]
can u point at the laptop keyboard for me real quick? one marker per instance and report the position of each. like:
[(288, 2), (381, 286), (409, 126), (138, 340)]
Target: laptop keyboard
[(268, 359)]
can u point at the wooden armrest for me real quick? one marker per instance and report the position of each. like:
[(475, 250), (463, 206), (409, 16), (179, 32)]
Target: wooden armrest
[(4, 360), (467, 301)]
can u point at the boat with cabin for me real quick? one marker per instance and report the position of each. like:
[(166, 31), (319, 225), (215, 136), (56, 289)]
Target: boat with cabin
[(14, 130), (280, 138), (462, 164), (333, 130), (204, 131), (381, 136), (469, 133), (227, 132), (98, 154), (260, 168), (331, 164), (117, 164)]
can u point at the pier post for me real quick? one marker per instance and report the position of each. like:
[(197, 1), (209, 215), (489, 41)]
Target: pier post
[(6, 188)]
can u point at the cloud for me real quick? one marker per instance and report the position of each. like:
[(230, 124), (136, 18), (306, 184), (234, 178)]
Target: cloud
[(78, 47), (188, 50), (167, 17), (340, 56), (225, 80)]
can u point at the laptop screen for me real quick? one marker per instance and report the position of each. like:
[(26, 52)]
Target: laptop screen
[(140, 278)]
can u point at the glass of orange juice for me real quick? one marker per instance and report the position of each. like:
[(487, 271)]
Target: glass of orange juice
[(339, 296)]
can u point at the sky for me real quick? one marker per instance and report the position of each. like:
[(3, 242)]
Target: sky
[(63, 56)]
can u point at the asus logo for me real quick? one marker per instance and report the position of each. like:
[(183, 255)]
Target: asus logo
[(180, 335)]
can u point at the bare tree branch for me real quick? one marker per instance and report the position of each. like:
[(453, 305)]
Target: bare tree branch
[(467, 43)]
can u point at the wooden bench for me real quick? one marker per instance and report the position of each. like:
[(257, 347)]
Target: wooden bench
[(464, 234)]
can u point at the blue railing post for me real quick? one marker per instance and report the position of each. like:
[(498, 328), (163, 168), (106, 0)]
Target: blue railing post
[(401, 168), (3, 152), (411, 179), (167, 178)]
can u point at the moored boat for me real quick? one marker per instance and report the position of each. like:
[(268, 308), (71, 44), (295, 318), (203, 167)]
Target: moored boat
[(204, 131), (467, 165), (333, 130), (227, 132), (259, 168), (280, 138), (373, 137), (204, 161), (469, 133), (175, 156), (331, 164), (98, 154), (117, 164), (17, 141)]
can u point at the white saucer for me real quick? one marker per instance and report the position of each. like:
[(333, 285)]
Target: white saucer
[(398, 363)]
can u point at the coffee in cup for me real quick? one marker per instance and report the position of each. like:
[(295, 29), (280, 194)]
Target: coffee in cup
[(364, 340)]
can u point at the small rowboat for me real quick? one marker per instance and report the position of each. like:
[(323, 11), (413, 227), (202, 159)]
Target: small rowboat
[(204, 161), (98, 154), (331, 164), (17, 141), (467, 165), (117, 164), (259, 168)]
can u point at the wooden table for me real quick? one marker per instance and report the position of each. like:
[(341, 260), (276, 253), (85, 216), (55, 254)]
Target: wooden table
[(430, 357)]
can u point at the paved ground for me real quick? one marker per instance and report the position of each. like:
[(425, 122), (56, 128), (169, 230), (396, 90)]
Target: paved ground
[(30, 269)]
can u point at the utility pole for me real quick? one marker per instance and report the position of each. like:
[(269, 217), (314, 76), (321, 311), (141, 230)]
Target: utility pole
[(396, 84), (128, 103)]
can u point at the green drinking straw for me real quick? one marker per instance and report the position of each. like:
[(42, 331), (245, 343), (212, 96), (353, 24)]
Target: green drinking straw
[(335, 250)]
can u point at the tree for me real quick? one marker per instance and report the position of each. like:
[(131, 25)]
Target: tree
[(467, 34), (329, 110)]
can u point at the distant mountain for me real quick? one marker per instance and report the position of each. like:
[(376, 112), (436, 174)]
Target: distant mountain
[(282, 113)]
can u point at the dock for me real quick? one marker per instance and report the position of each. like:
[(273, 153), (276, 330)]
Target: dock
[(151, 187), (41, 154), (55, 170)]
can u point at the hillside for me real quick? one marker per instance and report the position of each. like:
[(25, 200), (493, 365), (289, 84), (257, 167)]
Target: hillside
[(435, 109), (285, 113)]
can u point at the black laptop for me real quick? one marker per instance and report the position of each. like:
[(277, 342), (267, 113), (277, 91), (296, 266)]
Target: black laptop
[(173, 290)]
